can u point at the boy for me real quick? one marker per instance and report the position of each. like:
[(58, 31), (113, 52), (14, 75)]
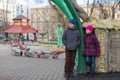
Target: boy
[(71, 40)]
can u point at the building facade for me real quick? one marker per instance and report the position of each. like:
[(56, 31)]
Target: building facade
[(9, 6), (45, 20), (3, 15)]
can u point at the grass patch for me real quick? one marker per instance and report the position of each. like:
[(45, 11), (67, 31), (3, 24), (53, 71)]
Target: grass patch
[(51, 43)]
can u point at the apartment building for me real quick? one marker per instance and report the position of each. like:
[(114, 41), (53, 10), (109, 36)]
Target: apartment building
[(45, 20), (8, 6)]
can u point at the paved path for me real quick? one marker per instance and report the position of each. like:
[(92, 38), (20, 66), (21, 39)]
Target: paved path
[(24, 68), (5, 50)]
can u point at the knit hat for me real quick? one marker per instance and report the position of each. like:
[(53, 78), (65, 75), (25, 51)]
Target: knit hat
[(72, 21), (89, 27)]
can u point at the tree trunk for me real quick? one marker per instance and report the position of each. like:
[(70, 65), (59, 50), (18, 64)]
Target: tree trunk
[(93, 6), (103, 13), (60, 14), (3, 15), (82, 13), (87, 6), (6, 10), (113, 12)]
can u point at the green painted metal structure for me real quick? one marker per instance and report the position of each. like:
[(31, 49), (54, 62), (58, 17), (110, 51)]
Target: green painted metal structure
[(69, 10), (59, 42)]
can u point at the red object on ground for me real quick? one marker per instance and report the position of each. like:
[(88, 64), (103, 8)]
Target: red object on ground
[(43, 53), (57, 52), (38, 56), (22, 47), (15, 44)]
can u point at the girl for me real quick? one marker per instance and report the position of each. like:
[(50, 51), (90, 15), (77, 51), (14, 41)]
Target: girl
[(91, 48)]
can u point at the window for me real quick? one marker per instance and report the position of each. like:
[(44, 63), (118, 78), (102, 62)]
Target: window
[(9, 1)]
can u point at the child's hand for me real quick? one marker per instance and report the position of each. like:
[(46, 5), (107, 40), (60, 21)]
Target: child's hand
[(98, 54)]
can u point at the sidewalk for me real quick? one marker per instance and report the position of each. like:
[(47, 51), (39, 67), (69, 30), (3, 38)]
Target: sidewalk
[(23, 68), (5, 49)]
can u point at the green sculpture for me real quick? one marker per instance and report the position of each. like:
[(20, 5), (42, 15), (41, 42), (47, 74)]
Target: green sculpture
[(67, 7), (60, 29)]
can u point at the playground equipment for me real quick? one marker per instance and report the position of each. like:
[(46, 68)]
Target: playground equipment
[(59, 43), (67, 7)]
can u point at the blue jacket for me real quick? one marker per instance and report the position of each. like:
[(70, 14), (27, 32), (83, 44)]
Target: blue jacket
[(71, 39)]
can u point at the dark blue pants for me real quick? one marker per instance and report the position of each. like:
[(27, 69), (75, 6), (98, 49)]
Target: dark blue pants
[(90, 61)]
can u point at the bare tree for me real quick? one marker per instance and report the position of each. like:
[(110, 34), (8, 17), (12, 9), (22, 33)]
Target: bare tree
[(106, 13), (3, 11), (60, 14), (5, 14), (103, 11), (93, 6), (88, 6), (82, 13), (6, 10), (113, 8)]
